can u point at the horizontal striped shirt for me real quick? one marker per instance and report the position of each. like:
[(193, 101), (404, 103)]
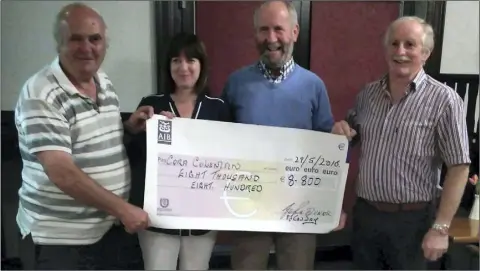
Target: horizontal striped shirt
[(52, 115), (403, 145)]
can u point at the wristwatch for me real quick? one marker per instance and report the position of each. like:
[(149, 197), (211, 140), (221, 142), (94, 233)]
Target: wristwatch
[(441, 228)]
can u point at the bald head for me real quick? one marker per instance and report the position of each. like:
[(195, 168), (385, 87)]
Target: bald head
[(80, 33), (276, 7), (73, 14)]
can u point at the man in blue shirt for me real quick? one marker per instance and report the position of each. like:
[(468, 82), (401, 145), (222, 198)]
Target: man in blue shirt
[(276, 91)]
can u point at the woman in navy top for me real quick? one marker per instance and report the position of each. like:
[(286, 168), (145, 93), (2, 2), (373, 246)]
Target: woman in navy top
[(186, 97)]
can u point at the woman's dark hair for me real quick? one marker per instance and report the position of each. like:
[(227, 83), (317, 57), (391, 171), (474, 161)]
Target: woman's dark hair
[(191, 46)]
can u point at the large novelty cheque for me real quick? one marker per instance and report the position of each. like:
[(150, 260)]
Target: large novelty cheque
[(228, 176)]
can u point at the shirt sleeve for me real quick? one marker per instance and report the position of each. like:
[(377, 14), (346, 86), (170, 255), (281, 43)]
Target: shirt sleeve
[(322, 115), (452, 133), (143, 102), (42, 127)]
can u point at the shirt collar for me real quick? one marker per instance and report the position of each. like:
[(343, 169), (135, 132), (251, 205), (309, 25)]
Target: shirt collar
[(419, 79), (286, 69), (415, 85), (62, 79)]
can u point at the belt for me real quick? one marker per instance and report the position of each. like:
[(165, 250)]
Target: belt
[(179, 232), (397, 207), (168, 231)]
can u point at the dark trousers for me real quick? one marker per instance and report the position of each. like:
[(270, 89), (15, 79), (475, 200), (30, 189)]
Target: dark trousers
[(295, 251), (116, 250), (389, 240)]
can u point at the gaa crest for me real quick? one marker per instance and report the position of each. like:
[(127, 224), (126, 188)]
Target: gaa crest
[(164, 202)]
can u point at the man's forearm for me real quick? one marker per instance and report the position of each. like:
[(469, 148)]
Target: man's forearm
[(453, 188), (75, 183)]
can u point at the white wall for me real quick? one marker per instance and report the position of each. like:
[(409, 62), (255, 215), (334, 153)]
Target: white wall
[(27, 45), (461, 38)]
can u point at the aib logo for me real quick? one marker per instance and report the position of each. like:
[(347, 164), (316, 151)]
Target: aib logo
[(164, 202), (164, 135)]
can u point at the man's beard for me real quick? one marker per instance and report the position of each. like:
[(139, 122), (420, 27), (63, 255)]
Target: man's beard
[(286, 51)]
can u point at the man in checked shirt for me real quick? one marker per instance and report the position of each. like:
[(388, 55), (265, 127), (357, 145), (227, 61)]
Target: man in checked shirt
[(407, 124)]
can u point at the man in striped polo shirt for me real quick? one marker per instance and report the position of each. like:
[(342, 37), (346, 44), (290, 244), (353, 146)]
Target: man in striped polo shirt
[(408, 124), (76, 175)]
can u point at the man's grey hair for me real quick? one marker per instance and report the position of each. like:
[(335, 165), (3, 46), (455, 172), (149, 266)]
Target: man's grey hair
[(428, 38), (290, 7), (61, 22)]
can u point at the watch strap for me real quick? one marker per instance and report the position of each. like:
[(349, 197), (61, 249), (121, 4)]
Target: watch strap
[(441, 228)]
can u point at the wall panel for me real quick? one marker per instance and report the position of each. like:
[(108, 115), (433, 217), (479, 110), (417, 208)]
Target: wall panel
[(460, 54), (226, 28), (27, 45), (347, 52)]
